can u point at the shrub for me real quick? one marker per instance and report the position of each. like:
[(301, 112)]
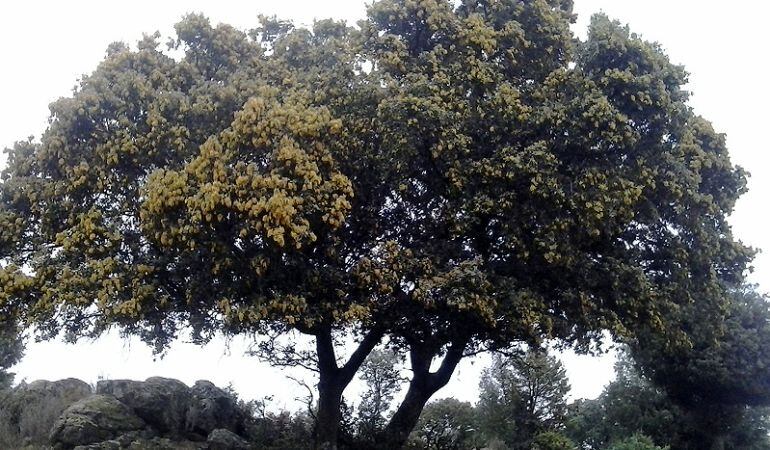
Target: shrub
[(551, 440), (636, 442)]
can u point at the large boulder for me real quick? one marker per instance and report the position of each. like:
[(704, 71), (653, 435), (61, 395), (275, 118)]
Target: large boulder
[(94, 419), (221, 439), (69, 390), (50, 395), (161, 402), (212, 408), (30, 410)]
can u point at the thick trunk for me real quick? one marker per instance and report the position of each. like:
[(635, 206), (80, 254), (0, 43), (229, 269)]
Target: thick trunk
[(332, 383), (423, 385), (328, 415), (406, 416)]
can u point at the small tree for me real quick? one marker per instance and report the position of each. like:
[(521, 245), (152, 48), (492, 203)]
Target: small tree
[(636, 442), (446, 424), (628, 405), (633, 403), (551, 440), (522, 396), (382, 374), (11, 351)]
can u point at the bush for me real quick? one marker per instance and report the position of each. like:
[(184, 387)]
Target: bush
[(636, 442), (551, 440)]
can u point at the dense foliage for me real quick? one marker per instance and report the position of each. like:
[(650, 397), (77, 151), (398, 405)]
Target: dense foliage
[(632, 404), (11, 351), (521, 397), (455, 178)]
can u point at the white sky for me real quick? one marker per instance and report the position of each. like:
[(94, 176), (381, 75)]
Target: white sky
[(46, 46)]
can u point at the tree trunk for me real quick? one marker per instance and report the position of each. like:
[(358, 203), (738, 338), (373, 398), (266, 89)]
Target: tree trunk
[(406, 416), (423, 385), (328, 416), (332, 383)]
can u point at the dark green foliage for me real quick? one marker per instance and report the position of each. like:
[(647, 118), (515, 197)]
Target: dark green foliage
[(635, 442), (633, 404), (446, 424), (551, 440), (723, 370), (628, 405), (454, 177), (522, 396), (382, 374), (282, 431), (11, 351)]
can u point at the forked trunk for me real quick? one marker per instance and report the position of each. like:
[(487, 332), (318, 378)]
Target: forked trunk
[(423, 385), (405, 419), (332, 383)]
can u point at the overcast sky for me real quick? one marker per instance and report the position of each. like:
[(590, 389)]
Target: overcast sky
[(46, 46)]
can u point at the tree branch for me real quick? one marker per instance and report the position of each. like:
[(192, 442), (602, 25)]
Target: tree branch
[(365, 347)]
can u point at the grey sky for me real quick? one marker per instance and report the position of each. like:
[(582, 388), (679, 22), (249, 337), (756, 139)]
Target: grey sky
[(46, 46)]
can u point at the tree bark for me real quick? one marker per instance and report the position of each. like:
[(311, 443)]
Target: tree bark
[(332, 383), (423, 385)]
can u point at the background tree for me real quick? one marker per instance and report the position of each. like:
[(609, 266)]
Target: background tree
[(628, 405), (636, 442), (551, 440), (720, 372), (522, 396), (446, 424), (382, 374), (456, 178), (11, 352), (633, 404)]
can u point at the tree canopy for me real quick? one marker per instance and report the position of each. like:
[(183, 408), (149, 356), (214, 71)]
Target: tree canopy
[(455, 178)]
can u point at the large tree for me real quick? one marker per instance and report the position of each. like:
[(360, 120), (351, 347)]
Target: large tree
[(457, 178)]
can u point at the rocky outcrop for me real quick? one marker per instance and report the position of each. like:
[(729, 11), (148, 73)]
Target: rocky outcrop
[(161, 402), (212, 408), (30, 410), (68, 390), (221, 439), (94, 419), (61, 393), (159, 413)]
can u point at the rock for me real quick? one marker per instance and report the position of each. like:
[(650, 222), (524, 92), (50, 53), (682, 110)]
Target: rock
[(106, 445), (48, 394), (212, 408), (221, 439), (161, 402), (164, 444), (128, 442), (92, 420), (68, 390), (31, 409)]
